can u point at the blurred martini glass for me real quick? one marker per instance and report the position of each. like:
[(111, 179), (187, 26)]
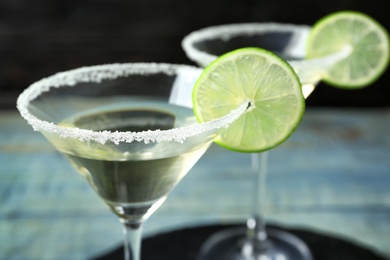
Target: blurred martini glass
[(287, 41)]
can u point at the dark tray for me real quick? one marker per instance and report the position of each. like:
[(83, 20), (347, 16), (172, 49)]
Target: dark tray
[(184, 244)]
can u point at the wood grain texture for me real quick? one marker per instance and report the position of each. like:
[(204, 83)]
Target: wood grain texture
[(332, 176)]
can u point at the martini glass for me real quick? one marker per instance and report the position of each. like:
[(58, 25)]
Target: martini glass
[(128, 129), (288, 41)]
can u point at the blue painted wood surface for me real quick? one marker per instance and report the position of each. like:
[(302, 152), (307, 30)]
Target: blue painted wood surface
[(332, 176)]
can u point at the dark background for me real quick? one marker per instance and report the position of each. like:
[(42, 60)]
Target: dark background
[(39, 38)]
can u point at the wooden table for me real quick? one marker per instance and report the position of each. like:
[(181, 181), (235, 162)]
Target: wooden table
[(332, 176)]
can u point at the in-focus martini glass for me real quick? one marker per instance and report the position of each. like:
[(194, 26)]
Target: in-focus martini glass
[(128, 129), (288, 41)]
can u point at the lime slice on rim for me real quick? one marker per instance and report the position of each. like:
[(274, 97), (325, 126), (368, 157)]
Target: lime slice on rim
[(270, 85), (367, 39)]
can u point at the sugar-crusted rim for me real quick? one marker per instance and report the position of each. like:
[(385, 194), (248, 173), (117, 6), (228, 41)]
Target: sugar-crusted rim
[(99, 73)]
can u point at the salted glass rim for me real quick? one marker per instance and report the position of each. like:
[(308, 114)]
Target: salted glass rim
[(227, 31), (98, 73)]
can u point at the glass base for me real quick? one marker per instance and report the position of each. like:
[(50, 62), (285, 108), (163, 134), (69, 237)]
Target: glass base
[(228, 245)]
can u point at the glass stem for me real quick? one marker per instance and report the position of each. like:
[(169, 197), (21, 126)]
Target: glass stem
[(256, 230), (132, 241)]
